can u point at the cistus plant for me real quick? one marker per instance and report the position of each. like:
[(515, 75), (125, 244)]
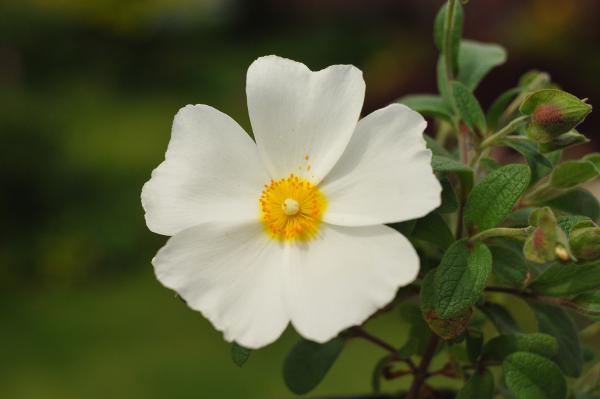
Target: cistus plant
[(325, 223)]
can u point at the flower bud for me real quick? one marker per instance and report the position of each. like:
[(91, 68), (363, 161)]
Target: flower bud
[(548, 241), (585, 243), (553, 112)]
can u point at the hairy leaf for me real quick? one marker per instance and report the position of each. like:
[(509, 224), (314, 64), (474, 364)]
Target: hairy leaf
[(468, 107), (460, 278), (508, 266), (493, 198), (428, 105), (441, 26), (433, 228), (308, 362), (577, 202), (556, 322), (567, 279), (446, 328), (476, 59), (479, 386), (239, 354), (531, 376), (503, 345), (570, 174), (500, 317)]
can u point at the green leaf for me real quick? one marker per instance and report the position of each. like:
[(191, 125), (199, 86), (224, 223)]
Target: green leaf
[(239, 354), (500, 317), (588, 304), (476, 59), (588, 386), (468, 107), (531, 376), (593, 158), (443, 165), (474, 341), (446, 328), (428, 105), (455, 29), (565, 140), (489, 165), (433, 228), (377, 371), (492, 199), (405, 228), (567, 279), (499, 105), (567, 223), (540, 165), (578, 202), (449, 200), (508, 266), (460, 278), (573, 173), (479, 386), (501, 346), (556, 322), (418, 332), (308, 362), (435, 148)]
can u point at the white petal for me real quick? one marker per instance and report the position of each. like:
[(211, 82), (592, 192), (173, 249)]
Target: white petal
[(296, 112), (341, 278), (385, 174), (233, 275), (212, 172)]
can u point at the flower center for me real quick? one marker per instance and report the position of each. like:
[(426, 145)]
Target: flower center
[(292, 208)]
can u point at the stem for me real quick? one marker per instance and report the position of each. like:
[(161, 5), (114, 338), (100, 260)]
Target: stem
[(517, 234), (421, 372), (505, 131), (360, 332)]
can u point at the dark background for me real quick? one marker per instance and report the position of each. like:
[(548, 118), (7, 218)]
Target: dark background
[(88, 90)]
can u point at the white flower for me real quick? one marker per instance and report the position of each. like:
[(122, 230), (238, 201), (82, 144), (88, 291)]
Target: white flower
[(290, 228)]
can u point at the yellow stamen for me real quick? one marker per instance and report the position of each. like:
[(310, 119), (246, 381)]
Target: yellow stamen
[(292, 208)]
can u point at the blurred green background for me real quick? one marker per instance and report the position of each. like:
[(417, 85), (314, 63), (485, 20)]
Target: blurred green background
[(88, 90)]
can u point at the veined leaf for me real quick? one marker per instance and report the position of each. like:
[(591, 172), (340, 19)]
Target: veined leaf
[(531, 376), (567, 279), (433, 228), (479, 386), (468, 107), (440, 26), (570, 174), (493, 198), (476, 59), (446, 328), (500, 317), (428, 105), (503, 345), (308, 363), (508, 266), (239, 354), (556, 322), (460, 278), (577, 202)]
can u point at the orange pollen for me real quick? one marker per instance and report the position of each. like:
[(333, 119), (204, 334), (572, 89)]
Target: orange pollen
[(292, 208)]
